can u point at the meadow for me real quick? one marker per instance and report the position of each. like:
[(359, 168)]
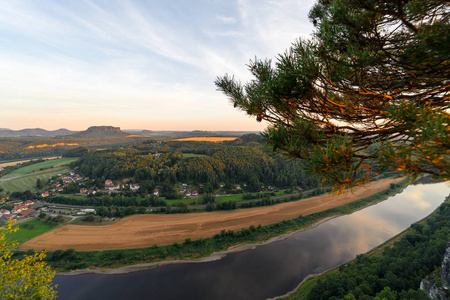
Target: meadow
[(27, 176), (29, 229)]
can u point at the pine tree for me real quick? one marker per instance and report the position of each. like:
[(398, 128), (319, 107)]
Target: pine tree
[(368, 92)]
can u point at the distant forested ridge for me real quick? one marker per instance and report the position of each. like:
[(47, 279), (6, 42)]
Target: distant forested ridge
[(166, 163)]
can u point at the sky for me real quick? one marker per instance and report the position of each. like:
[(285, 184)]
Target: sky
[(136, 64)]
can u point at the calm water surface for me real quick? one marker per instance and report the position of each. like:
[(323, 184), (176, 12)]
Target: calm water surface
[(267, 270)]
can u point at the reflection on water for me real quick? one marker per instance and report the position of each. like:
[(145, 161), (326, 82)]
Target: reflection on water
[(267, 270)]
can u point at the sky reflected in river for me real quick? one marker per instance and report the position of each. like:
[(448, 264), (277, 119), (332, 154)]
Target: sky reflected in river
[(267, 270)]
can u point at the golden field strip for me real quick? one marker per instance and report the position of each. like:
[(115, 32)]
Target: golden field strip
[(140, 231), (208, 139)]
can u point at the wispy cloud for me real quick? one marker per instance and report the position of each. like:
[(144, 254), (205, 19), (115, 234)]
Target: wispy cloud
[(226, 20), (135, 60)]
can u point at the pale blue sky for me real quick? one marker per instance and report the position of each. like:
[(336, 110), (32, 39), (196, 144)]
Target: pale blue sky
[(135, 64)]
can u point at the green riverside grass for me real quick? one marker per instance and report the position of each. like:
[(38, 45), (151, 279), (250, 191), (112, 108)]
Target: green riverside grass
[(29, 229), (67, 260)]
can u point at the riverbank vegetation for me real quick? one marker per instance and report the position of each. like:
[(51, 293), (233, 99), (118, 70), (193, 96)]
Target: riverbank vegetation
[(392, 271), (65, 260)]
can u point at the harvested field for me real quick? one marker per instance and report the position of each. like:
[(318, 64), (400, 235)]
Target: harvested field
[(208, 139), (145, 230)]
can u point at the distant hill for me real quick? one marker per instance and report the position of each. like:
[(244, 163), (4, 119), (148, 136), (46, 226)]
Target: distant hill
[(28, 132), (139, 131), (98, 132)]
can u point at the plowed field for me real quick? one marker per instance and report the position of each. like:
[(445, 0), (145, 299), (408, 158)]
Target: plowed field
[(145, 230)]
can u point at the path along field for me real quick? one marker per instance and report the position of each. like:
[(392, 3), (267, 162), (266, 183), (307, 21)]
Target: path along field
[(145, 230)]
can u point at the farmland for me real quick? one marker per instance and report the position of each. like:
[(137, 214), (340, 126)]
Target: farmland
[(147, 230), (25, 178)]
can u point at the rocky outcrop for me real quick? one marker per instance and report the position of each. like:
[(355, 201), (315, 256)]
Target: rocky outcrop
[(100, 132), (437, 285)]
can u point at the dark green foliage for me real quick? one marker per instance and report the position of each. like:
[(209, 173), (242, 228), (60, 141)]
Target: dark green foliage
[(54, 220), (248, 165), (226, 205), (77, 152), (209, 207), (368, 91), (208, 198)]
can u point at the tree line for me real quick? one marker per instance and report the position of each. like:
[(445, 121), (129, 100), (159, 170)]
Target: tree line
[(164, 166)]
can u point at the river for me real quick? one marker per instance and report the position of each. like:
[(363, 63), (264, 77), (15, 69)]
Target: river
[(271, 269)]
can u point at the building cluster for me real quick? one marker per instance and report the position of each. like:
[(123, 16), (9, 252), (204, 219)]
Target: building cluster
[(110, 186), (19, 210), (184, 189)]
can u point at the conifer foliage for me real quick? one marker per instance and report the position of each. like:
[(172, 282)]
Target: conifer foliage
[(368, 91)]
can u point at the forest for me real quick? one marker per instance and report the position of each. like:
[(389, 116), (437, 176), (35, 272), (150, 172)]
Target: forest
[(164, 164)]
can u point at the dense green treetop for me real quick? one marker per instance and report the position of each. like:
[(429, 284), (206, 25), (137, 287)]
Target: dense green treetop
[(368, 91), (212, 163)]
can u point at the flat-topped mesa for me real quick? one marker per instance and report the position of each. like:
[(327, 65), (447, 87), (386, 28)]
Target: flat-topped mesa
[(101, 131)]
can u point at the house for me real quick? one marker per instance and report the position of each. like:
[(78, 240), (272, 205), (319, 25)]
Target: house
[(237, 186), (16, 209), (60, 189), (134, 187), (221, 185), (78, 177), (299, 188), (29, 202), (27, 213), (7, 217), (5, 212), (109, 185), (44, 194), (188, 194), (156, 192), (194, 194), (83, 190), (23, 207)]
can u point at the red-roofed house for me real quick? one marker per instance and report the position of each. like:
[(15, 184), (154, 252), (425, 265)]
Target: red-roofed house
[(26, 213)]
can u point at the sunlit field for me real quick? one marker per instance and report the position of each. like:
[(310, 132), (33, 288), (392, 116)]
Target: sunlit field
[(208, 139)]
